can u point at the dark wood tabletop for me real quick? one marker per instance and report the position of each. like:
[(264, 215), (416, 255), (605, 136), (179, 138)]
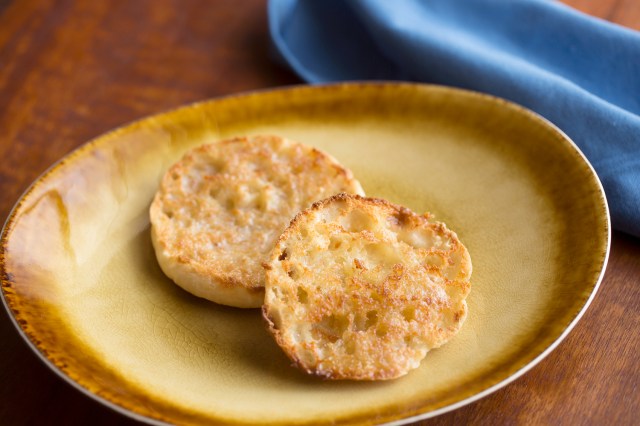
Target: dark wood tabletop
[(71, 70)]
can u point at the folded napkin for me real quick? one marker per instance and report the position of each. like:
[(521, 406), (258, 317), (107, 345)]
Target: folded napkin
[(581, 73)]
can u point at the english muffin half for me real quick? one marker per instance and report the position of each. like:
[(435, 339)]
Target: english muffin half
[(220, 209), (360, 288)]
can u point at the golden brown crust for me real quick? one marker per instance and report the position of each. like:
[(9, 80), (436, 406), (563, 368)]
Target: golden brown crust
[(219, 210), (360, 288)]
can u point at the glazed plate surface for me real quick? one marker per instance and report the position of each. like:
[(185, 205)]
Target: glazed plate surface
[(81, 281)]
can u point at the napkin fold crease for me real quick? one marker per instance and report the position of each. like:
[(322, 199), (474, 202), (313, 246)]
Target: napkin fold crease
[(579, 72)]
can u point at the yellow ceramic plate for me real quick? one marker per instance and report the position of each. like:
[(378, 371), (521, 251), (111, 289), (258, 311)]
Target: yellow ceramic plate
[(82, 283)]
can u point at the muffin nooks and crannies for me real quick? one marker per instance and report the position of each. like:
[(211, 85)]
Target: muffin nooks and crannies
[(360, 288), (220, 209), (354, 288)]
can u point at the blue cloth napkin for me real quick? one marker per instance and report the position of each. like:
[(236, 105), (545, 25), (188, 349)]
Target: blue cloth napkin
[(581, 73)]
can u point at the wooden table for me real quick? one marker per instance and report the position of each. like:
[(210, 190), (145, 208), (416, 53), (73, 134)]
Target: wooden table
[(71, 70)]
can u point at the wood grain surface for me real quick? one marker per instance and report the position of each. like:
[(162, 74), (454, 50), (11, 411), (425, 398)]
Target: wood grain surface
[(71, 70)]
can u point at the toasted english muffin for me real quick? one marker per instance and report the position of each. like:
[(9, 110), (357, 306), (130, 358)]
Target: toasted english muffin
[(220, 209), (359, 288)]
